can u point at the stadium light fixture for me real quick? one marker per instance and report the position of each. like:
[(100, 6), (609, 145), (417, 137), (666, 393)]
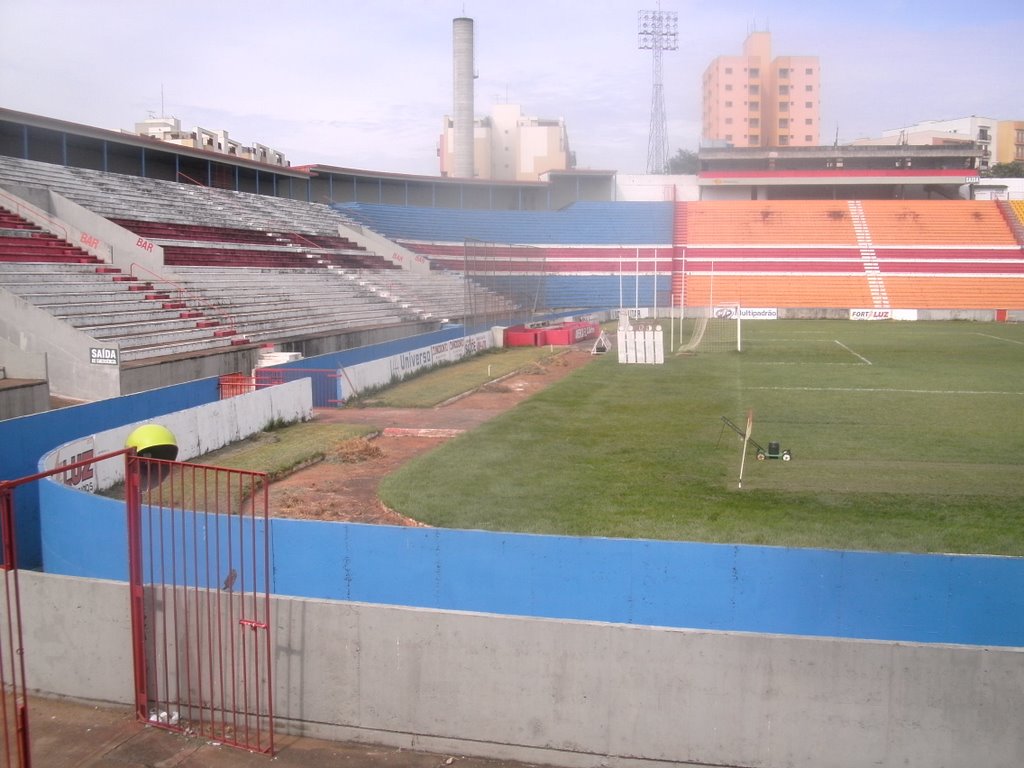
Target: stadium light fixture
[(657, 31)]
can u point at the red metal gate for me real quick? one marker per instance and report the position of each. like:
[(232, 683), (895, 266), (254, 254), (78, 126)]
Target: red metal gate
[(199, 570), (14, 696), (325, 383)]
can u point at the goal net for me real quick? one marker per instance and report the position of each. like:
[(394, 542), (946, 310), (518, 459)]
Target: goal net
[(505, 282), (715, 329)]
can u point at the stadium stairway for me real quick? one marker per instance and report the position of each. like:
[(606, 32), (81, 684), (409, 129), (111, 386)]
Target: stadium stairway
[(21, 240), (1013, 212)]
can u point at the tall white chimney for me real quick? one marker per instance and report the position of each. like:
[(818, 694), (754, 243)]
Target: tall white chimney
[(462, 37)]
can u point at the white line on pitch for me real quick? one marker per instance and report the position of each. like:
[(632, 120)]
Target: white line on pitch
[(999, 338), (859, 357), (894, 391)]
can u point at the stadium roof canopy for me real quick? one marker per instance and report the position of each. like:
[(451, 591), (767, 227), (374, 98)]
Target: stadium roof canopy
[(841, 171)]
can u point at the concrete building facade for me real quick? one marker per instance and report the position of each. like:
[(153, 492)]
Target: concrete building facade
[(510, 146), (981, 130), (1009, 142), (753, 100), (169, 129)]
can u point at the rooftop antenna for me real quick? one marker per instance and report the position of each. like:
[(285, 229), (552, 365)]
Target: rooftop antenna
[(657, 31)]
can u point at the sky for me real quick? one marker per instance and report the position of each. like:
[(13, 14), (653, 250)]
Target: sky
[(367, 83)]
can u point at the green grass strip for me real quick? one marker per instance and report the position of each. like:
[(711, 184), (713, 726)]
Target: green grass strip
[(905, 436)]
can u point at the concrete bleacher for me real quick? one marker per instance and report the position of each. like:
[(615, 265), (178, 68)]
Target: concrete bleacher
[(189, 216), (224, 230), (197, 245), (125, 197), (283, 304), (143, 319), (433, 295)]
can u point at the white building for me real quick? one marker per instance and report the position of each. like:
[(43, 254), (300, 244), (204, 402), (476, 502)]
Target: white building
[(509, 146), (978, 129), (169, 129)]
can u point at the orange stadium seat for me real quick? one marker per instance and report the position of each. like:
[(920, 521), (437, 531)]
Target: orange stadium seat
[(948, 223), (950, 292), (840, 291), (767, 223), (923, 254)]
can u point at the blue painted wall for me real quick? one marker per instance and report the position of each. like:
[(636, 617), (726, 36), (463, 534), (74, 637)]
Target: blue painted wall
[(922, 598), (589, 223), (23, 441), (377, 351)]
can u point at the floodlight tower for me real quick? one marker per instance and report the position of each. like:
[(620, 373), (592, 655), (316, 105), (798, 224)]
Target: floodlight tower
[(658, 31)]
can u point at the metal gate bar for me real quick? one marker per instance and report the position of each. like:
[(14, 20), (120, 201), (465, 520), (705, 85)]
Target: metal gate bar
[(13, 689), (324, 383), (14, 694), (199, 565)]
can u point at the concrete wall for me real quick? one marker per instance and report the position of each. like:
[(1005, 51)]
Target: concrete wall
[(376, 345), (23, 385), (197, 430), (71, 369), (24, 440), (19, 397), (146, 375), (388, 370), (656, 188), (19, 364), (388, 249), (866, 595), (77, 637), (575, 693), (330, 343)]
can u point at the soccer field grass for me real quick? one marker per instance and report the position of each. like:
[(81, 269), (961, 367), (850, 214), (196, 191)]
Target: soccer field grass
[(904, 437)]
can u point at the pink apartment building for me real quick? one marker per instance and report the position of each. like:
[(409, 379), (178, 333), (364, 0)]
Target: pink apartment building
[(754, 100)]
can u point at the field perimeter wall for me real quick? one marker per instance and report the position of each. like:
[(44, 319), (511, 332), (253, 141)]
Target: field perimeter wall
[(879, 596), (548, 649), (24, 440), (575, 693)]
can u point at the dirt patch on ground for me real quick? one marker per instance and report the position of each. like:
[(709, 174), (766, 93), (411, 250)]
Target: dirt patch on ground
[(344, 486)]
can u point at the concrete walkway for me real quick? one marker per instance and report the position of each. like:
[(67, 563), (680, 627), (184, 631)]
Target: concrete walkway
[(71, 735)]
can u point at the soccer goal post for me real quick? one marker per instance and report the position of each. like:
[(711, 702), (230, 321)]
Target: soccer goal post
[(715, 329), (504, 282)]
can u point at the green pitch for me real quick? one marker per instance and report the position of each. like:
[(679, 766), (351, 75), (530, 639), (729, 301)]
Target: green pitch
[(904, 436)]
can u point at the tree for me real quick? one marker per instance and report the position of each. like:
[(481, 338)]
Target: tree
[(1014, 170), (684, 161)]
